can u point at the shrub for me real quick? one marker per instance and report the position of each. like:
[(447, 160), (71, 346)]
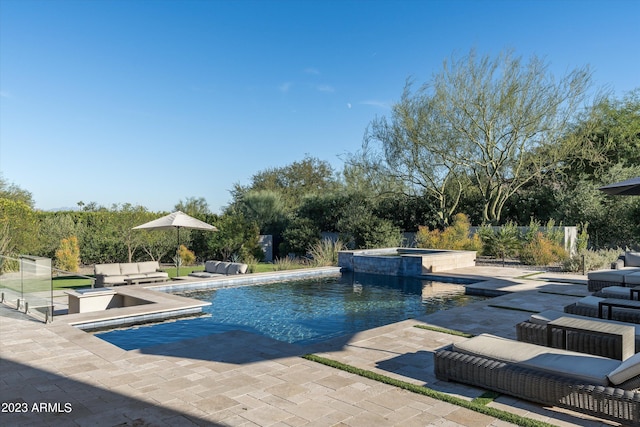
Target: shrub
[(505, 242), (593, 260), (325, 252), (68, 255), (187, 257), (454, 237), (252, 263), (582, 240), (541, 251), (288, 263)]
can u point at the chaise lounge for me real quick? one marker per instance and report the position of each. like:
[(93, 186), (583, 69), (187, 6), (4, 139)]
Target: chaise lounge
[(220, 268), (624, 272), (594, 385), (588, 306), (534, 331)]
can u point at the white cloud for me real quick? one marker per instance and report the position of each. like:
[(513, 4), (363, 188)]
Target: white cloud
[(325, 88), (376, 103), (285, 87), (349, 105), (312, 70), (4, 94)]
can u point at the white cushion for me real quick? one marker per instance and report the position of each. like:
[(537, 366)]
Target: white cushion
[(210, 266), (589, 301), (148, 266), (616, 292), (588, 368), (627, 370), (107, 269), (129, 268), (222, 268), (631, 279), (632, 259), (111, 279), (616, 276)]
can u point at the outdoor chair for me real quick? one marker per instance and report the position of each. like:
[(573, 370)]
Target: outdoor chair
[(624, 272), (593, 385), (588, 306), (534, 331)]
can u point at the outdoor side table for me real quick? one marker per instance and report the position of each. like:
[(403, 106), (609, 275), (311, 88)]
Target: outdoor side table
[(635, 290), (624, 335), (614, 302)]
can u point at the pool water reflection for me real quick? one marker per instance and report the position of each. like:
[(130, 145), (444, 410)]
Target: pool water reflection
[(303, 312)]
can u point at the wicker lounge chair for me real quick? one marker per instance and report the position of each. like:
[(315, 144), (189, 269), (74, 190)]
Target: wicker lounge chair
[(588, 306), (624, 272), (589, 384), (621, 292), (534, 331)]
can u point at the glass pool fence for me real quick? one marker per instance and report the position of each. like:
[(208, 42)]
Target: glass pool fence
[(26, 285)]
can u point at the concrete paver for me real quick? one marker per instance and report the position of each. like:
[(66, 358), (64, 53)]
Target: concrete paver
[(238, 379)]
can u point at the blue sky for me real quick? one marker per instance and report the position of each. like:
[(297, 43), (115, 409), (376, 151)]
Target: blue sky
[(149, 102)]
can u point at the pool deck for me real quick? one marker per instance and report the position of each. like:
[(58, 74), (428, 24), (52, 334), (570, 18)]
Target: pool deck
[(241, 379)]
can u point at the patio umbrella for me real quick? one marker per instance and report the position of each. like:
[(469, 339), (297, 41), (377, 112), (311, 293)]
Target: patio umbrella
[(630, 187), (176, 220)]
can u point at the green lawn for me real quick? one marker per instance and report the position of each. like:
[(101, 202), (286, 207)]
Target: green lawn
[(70, 282)]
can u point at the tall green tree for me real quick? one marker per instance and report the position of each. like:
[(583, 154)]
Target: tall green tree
[(18, 228), (494, 120), (603, 136), (14, 192), (292, 182), (196, 207)]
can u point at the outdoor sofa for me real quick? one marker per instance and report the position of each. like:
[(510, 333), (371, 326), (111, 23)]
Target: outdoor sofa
[(220, 268), (121, 273), (593, 385), (588, 306), (534, 331), (624, 272)]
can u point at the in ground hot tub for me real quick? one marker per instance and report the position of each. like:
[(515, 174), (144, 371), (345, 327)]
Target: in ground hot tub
[(404, 261)]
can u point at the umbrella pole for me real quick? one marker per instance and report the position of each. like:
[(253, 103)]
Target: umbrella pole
[(178, 255)]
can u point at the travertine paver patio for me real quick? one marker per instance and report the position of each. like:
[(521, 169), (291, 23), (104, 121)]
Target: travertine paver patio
[(240, 379)]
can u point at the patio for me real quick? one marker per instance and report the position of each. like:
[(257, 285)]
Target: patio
[(239, 379)]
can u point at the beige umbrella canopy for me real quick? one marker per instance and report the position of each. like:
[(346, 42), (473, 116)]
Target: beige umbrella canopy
[(176, 220)]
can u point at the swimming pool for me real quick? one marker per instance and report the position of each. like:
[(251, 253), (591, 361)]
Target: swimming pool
[(303, 312)]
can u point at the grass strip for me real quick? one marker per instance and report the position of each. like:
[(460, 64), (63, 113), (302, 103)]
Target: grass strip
[(526, 276), (472, 405), (487, 397), (444, 330), (504, 307)]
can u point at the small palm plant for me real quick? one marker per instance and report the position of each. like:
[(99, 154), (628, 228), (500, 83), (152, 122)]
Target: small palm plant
[(505, 242)]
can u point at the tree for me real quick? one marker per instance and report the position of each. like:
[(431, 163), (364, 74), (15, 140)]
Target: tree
[(195, 207), (605, 135), (236, 237), (311, 175), (266, 208), (494, 121), (13, 192), (18, 228)]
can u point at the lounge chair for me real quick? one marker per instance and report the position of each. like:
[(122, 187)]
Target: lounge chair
[(621, 292), (534, 331), (588, 306), (593, 385), (624, 272)]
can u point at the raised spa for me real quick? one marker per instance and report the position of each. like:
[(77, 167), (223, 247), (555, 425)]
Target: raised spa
[(404, 261)]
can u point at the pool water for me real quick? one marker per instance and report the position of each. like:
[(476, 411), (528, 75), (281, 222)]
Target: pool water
[(303, 312)]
